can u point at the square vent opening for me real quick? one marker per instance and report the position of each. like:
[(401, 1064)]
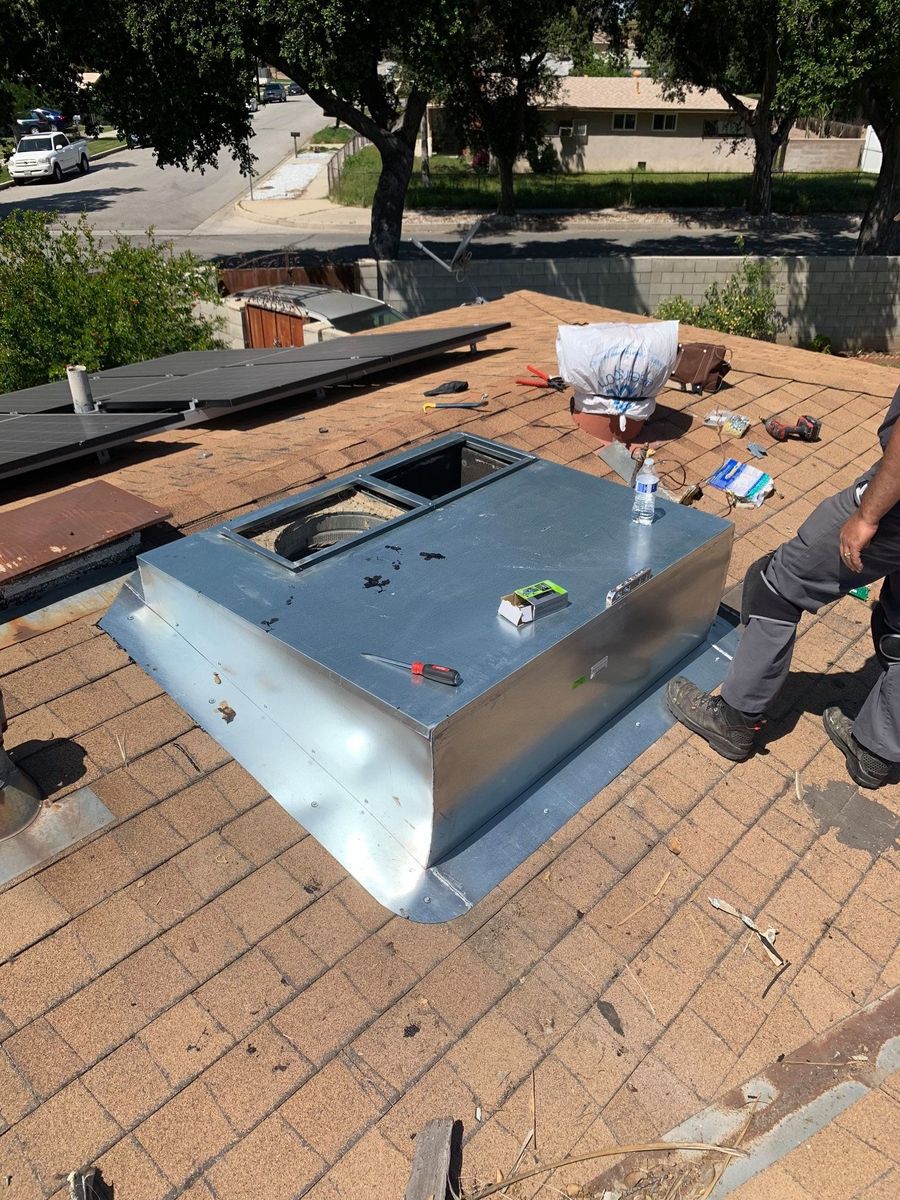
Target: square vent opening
[(439, 472), (323, 522)]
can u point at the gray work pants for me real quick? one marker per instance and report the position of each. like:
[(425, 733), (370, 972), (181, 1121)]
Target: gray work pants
[(808, 571)]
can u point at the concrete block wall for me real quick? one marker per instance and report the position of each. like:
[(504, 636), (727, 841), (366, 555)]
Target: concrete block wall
[(823, 154), (853, 301)]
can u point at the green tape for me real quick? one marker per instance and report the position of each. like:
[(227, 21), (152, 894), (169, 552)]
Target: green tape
[(579, 682)]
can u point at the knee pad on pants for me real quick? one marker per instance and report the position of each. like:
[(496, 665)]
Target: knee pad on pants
[(759, 600), (885, 639)]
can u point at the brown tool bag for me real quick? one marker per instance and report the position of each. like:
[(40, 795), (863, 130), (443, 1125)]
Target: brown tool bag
[(701, 367)]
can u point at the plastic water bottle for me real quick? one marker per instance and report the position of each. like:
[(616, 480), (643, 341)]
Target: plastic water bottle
[(645, 485)]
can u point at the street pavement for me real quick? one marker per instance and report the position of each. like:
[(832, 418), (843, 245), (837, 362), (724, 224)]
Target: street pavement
[(127, 192)]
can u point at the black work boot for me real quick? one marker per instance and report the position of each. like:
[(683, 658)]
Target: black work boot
[(865, 768), (728, 731)]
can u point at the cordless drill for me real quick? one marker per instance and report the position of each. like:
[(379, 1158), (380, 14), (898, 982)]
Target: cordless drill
[(807, 429)]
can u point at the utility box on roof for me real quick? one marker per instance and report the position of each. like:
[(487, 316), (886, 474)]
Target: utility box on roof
[(259, 629)]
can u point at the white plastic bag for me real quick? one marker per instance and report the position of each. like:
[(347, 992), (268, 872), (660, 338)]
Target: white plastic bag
[(617, 368)]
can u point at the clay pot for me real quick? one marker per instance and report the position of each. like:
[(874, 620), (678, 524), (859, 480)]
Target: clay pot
[(608, 428)]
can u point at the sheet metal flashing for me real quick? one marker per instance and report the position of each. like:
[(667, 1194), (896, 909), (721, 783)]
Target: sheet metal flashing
[(407, 782), (64, 526)]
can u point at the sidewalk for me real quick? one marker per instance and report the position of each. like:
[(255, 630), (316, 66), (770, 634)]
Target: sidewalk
[(313, 207)]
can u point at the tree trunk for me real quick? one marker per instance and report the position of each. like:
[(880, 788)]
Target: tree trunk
[(390, 197), (760, 202), (880, 229), (507, 203)]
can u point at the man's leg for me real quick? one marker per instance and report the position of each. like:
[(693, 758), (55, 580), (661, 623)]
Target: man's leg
[(871, 743), (802, 575)]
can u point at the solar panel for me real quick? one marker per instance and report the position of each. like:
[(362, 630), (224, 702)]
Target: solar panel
[(187, 362), (228, 388), (57, 398), (27, 442), (419, 343), (39, 426)]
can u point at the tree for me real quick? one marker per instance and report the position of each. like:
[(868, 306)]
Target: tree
[(65, 300), (180, 72), (733, 47), (501, 75), (37, 40), (852, 59)]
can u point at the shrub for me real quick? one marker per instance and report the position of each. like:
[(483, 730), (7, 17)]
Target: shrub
[(821, 343), (64, 299), (542, 158), (744, 306)]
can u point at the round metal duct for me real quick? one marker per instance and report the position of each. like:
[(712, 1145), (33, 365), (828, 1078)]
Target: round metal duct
[(316, 531)]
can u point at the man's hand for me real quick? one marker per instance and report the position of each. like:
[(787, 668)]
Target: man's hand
[(856, 534)]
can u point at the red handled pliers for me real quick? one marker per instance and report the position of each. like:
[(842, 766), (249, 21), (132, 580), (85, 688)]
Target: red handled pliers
[(542, 379)]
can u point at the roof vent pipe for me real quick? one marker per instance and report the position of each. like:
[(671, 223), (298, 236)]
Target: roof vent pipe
[(80, 387)]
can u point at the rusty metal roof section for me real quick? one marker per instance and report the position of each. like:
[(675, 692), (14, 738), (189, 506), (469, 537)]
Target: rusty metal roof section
[(61, 527)]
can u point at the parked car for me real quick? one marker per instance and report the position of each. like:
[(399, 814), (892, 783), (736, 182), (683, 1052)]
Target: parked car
[(294, 89), (135, 141), (47, 156), (274, 93), (37, 120)]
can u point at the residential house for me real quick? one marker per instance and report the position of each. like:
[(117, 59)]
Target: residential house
[(622, 124), (626, 124)]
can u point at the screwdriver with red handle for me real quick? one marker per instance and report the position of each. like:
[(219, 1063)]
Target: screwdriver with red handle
[(439, 674)]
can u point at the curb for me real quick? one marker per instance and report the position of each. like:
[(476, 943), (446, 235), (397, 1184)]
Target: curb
[(533, 220), (93, 157)]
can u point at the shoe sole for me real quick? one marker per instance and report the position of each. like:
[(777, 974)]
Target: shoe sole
[(717, 743), (859, 777)]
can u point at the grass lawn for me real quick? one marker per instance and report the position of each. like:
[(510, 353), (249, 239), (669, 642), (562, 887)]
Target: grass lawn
[(334, 134), (453, 185), (95, 145)]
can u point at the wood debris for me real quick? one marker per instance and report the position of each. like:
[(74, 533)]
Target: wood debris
[(610, 1152), (642, 988), (640, 908), (766, 936)]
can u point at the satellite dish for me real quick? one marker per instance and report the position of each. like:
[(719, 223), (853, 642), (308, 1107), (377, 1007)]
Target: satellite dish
[(459, 263)]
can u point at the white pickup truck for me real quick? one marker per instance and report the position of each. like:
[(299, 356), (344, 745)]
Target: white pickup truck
[(47, 156)]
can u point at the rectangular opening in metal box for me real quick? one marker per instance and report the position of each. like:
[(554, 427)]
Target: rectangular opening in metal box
[(322, 522), (437, 473)]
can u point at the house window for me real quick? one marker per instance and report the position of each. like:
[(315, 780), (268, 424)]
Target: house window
[(564, 131), (624, 122), (724, 127), (665, 122)]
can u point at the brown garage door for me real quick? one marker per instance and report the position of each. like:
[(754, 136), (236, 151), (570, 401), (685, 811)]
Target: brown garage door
[(264, 328)]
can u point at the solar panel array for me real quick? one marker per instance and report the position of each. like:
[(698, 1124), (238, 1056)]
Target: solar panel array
[(38, 426)]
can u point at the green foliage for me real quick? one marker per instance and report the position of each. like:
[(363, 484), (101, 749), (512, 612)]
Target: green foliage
[(499, 76), (851, 63), (599, 65), (542, 158), (65, 300), (736, 47), (821, 343), (333, 134), (455, 184), (744, 306)]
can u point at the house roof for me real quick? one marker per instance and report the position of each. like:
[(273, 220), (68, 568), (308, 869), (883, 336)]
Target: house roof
[(627, 94), (201, 1000)]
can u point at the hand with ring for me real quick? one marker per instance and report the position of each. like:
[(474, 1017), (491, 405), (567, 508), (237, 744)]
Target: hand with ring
[(855, 536)]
